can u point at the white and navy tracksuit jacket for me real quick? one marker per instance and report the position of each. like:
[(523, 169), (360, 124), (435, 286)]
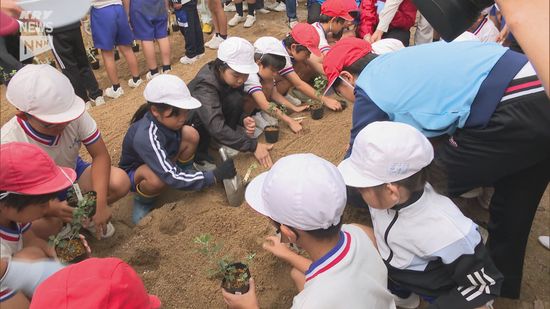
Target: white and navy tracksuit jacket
[(149, 142), (432, 249)]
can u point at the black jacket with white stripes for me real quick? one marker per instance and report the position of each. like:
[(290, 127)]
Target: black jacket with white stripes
[(149, 142), (432, 249)]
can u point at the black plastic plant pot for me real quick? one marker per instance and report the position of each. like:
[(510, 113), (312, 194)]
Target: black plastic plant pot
[(117, 55), (94, 64), (135, 47), (271, 134), (91, 196), (317, 112), (72, 251), (344, 104), (175, 27), (241, 276)]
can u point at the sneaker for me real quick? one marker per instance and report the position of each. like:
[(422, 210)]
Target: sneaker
[(231, 153), (230, 7), (187, 60), (293, 100), (89, 105), (263, 11), (545, 241), (204, 166), (207, 28), (250, 20), (166, 71), (149, 76), (142, 206), (111, 93), (235, 20), (212, 39), (281, 7), (413, 301), (133, 84), (293, 22), (109, 231), (216, 43), (98, 101), (271, 6)]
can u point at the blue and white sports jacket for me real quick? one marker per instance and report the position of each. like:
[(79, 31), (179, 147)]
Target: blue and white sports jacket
[(149, 142)]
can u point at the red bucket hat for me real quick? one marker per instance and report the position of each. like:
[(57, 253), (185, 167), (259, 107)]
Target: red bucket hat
[(306, 35), (27, 169), (342, 54), (339, 8), (106, 283)]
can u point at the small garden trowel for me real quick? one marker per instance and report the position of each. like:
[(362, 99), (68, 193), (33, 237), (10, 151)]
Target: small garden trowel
[(234, 188)]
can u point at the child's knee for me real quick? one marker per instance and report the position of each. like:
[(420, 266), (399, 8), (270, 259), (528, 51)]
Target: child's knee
[(31, 253), (191, 135), (119, 183)]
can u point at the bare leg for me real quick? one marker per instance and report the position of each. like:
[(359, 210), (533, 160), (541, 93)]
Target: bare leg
[(218, 16), (110, 65), (131, 59), (150, 54), (164, 45), (149, 183), (189, 143), (119, 183)]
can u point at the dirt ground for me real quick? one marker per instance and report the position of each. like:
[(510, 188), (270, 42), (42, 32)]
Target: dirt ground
[(161, 247)]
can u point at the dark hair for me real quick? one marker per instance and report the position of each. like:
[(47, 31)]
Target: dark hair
[(357, 67), (271, 61), (415, 182), (161, 107), (220, 65), (325, 19), (289, 40), (22, 201), (319, 234)]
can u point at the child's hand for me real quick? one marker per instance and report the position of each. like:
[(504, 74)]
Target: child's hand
[(295, 125), (61, 210), (101, 218), (298, 109), (244, 301), (332, 104), (274, 245), (249, 125), (376, 36)]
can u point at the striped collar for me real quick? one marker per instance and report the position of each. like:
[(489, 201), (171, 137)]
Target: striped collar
[(481, 24), (10, 234), (44, 139), (333, 257)]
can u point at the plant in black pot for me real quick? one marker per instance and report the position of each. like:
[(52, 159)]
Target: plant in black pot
[(135, 46), (316, 107), (68, 245), (234, 275), (272, 131)]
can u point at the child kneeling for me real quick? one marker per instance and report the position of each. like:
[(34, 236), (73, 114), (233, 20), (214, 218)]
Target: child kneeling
[(430, 248)]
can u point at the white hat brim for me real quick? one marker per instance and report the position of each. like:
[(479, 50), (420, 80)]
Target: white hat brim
[(253, 194), (245, 68), (186, 103), (354, 178), (78, 107)]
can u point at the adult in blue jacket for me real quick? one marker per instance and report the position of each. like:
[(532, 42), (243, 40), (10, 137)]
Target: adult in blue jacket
[(484, 109)]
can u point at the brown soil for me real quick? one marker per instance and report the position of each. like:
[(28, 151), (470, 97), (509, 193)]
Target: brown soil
[(161, 247), (72, 252)]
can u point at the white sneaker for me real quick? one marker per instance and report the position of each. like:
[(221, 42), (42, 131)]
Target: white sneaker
[(292, 23), (281, 7), (89, 105), (111, 93), (293, 100), (263, 11), (231, 153), (230, 7), (149, 76), (133, 84), (98, 101), (204, 166), (250, 20), (235, 20), (271, 6), (187, 60), (545, 241), (109, 231), (215, 42), (411, 302)]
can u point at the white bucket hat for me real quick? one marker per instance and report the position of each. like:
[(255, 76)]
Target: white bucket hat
[(44, 93), (385, 152), (302, 191), (270, 45), (238, 53), (170, 89)]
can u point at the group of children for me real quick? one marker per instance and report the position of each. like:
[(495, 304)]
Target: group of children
[(483, 123)]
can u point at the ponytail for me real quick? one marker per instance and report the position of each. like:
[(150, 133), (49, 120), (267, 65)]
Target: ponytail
[(141, 111), (161, 107)]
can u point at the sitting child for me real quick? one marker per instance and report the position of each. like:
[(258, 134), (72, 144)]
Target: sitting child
[(158, 149), (29, 181), (270, 57), (345, 270), (430, 248)]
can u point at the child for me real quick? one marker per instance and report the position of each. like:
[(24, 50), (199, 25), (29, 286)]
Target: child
[(219, 87), (51, 116), (304, 197), (499, 124), (188, 20), (110, 29), (29, 180), (270, 56), (396, 19), (149, 20), (239, 16), (158, 149), (451, 266), (302, 41), (219, 21), (109, 282), (484, 28)]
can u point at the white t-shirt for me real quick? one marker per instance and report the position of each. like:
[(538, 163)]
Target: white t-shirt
[(64, 148), (323, 43), (98, 4), (289, 68), (352, 275), (11, 242), (252, 84), (385, 46), (487, 31)]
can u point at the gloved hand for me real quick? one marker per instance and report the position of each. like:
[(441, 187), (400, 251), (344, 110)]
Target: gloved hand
[(226, 170)]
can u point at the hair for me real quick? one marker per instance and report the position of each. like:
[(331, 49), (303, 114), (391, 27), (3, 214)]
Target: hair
[(325, 19), (319, 234), (220, 65), (161, 107), (22, 201), (357, 67), (271, 61), (289, 40)]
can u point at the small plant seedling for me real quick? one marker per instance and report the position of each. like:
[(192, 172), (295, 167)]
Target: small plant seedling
[(273, 107), (6, 76), (249, 171)]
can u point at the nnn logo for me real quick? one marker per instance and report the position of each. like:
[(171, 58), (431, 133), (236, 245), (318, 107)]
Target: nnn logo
[(33, 40)]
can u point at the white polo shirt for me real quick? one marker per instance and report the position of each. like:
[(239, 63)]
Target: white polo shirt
[(323, 43), (487, 31), (253, 84), (11, 242), (352, 275), (64, 148)]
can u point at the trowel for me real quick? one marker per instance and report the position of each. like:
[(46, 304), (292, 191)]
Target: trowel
[(234, 188)]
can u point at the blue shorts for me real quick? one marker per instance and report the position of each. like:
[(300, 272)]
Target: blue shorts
[(79, 168), (131, 174), (149, 19), (110, 27)]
